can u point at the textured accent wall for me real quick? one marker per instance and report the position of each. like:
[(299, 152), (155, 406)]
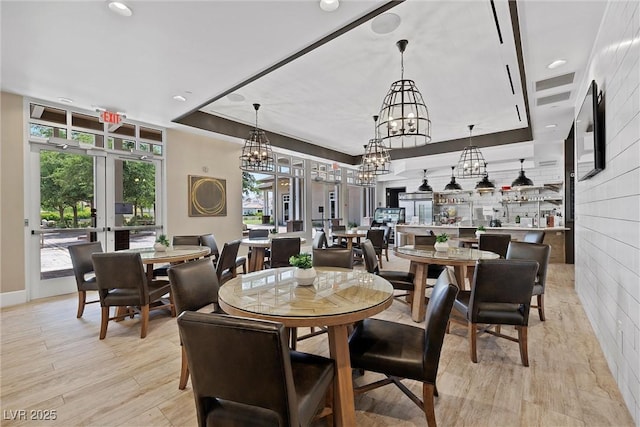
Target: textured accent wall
[(608, 205)]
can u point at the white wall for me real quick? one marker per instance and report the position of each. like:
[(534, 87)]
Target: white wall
[(607, 237)]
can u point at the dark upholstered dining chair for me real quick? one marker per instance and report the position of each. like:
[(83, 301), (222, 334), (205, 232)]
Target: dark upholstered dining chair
[(226, 266), (400, 280), (496, 243), (500, 295), (243, 373), (329, 257), (282, 249), (83, 271), (534, 236), (536, 252), (122, 283), (180, 240), (405, 351), (210, 241), (194, 286)]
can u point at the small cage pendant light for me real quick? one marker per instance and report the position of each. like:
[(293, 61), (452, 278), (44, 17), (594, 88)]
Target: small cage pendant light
[(404, 117), (376, 156), (471, 163), (257, 155), (453, 185), (365, 176), (521, 180)]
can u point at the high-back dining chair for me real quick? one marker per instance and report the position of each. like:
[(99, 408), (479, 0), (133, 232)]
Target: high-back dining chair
[(210, 241), (541, 254), (282, 249), (83, 271), (400, 280), (500, 295), (496, 243), (194, 286), (252, 378), (122, 282), (338, 257), (404, 351), (376, 237), (534, 236), (226, 266)]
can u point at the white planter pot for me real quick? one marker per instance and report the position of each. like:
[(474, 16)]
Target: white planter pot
[(441, 246), (159, 247), (304, 276)]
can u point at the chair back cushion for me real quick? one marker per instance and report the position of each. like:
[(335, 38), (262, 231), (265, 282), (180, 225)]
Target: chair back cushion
[(370, 258), (121, 278), (282, 249), (536, 236), (435, 325), (194, 285), (376, 236), (240, 360), (429, 240), (210, 241), (496, 243), (227, 262), (337, 257), (186, 240), (501, 291), (534, 251), (82, 262), (258, 233)]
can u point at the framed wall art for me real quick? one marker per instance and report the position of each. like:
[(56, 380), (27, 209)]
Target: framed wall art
[(207, 196)]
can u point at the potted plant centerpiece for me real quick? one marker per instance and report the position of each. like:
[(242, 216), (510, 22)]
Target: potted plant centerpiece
[(441, 242), (304, 273), (480, 230), (162, 243)]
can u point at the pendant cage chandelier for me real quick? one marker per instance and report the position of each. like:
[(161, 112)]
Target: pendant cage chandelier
[(453, 185), (365, 176), (471, 163), (425, 183), (484, 183), (376, 157), (257, 155), (521, 180), (404, 117)]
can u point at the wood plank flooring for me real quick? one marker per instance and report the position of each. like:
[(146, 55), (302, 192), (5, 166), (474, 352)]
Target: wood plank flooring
[(52, 361)]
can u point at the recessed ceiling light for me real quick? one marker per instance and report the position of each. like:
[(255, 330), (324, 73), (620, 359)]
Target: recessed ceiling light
[(235, 97), (550, 126), (120, 8), (65, 100), (179, 98), (557, 63), (329, 5), (385, 23)]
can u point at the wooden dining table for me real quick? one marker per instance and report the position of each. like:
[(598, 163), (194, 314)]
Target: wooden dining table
[(172, 255), (421, 256), (337, 298), (349, 236)]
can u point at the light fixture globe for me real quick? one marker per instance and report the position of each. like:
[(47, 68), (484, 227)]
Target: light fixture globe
[(471, 163), (453, 185), (257, 155), (521, 180), (376, 157), (404, 117)]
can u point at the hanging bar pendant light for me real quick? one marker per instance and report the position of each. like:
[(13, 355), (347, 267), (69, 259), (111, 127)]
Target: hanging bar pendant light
[(257, 155), (376, 156), (404, 117), (521, 180), (471, 163), (453, 185)]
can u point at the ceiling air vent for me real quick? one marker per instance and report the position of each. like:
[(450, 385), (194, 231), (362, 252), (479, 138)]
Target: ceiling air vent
[(553, 98), (565, 79), (544, 163)]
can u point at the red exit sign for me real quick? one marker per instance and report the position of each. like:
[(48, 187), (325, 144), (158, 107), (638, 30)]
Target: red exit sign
[(110, 117)]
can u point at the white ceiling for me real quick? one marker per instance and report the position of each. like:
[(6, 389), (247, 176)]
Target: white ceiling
[(203, 49)]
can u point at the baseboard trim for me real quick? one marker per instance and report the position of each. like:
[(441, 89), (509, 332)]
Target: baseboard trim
[(12, 298)]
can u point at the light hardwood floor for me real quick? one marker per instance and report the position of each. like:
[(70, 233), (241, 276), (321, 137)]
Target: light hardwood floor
[(52, 361)]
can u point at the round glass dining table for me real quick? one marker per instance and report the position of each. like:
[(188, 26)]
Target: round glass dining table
[(337, 298)]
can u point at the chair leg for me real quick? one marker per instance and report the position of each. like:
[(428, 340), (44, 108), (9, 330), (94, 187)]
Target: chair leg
[(184, 370), (380, 259), (173, 306), (244, 268), (82, 297), (103, 322), (294, 338), (522, 341), (473, 332), (541, 307), (386, 253), (428, 391), (144, 314)]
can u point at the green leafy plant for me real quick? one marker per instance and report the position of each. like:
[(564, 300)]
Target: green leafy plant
[(302, 260), (481, 228), (163, 239), (441, 238)]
